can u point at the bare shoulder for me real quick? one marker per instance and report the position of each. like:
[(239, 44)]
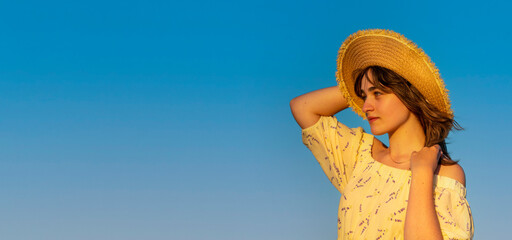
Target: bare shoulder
[(453, 171)]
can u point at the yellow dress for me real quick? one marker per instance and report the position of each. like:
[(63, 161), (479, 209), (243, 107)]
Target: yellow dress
[(374, 196)]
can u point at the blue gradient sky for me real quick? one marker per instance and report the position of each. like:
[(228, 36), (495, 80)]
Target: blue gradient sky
[(165, 120)]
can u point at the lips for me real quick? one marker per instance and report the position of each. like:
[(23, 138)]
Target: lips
[(371, 119)]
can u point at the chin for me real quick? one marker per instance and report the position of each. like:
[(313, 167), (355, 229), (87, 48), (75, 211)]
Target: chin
[(378, 132)]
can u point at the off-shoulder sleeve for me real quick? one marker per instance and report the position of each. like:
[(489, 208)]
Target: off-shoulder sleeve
[(335, 147), (453, 212)]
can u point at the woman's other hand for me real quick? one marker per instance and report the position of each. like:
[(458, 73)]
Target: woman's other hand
[(426, 159)]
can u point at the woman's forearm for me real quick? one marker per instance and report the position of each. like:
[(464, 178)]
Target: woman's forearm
[(421, 218), (308, 108)]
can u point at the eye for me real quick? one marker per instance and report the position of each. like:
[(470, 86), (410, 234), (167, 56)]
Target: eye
[(377, 93)]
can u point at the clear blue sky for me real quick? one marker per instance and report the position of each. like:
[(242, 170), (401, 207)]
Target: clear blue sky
[(163, 120)]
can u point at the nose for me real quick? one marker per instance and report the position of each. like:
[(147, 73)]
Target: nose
[(367, 106)]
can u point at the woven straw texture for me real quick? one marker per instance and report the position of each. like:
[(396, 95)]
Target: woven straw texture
[(391, 50)]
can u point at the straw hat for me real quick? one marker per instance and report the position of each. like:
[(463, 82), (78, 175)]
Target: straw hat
[(391, 50)]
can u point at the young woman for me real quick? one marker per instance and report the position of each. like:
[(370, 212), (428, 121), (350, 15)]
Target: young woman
[(410, 189)]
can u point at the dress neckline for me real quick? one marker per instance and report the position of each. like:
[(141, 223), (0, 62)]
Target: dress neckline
[(444, 180)]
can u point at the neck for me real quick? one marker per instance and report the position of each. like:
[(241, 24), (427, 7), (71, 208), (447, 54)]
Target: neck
[(408, 138)]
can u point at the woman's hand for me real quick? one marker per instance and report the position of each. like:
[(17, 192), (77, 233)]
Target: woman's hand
[(426, 159)]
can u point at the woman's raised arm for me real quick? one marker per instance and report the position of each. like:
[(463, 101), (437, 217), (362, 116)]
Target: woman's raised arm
[(307, 108)]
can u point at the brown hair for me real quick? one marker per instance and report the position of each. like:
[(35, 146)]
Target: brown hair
[(436, 124)]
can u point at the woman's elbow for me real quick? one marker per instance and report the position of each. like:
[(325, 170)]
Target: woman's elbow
[(297, 105)]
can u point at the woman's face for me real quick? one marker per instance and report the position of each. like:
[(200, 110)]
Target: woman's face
[(385, 112)]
